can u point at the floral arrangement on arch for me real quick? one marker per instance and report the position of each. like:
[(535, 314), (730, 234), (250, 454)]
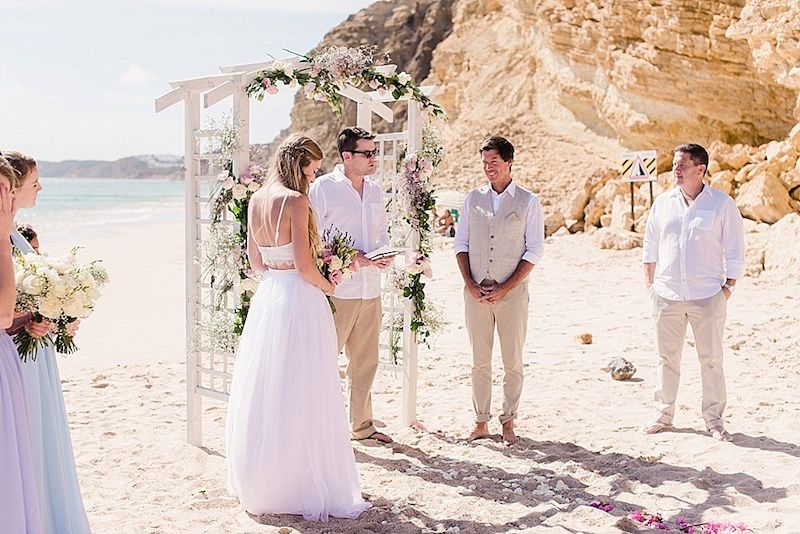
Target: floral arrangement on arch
[(324, 73), (223, 253), (414, 202)]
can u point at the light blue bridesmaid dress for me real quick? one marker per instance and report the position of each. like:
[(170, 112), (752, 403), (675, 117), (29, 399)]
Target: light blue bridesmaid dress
[(54, 461), (19, 497)]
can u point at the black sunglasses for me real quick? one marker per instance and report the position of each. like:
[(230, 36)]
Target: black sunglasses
[(367, 153)]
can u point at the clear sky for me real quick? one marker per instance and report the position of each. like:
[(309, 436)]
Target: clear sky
[(78, 78)]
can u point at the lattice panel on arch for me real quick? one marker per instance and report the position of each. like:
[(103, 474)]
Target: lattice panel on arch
[(391, 148), (214, 367)]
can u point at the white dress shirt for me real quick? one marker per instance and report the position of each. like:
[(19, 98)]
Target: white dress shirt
[(534, 224), (337, 204), (695, 248)]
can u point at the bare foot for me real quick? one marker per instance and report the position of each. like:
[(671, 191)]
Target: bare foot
[(481, 430), (508, 433)]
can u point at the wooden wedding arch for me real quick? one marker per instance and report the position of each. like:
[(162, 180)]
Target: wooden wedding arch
[(209, 372)]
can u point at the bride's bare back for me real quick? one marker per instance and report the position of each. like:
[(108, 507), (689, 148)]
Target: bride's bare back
[(270, 226), (266, 220)]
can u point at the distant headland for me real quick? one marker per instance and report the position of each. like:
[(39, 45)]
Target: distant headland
[(136, 167)]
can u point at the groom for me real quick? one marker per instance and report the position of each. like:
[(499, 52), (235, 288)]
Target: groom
[(349, 201), (499, 239)]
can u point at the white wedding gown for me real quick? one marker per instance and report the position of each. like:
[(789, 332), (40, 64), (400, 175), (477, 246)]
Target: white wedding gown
[(288, 441)]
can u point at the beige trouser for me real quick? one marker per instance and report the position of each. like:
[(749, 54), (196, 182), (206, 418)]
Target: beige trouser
[(358, 324), (510, 316), (707, 317)]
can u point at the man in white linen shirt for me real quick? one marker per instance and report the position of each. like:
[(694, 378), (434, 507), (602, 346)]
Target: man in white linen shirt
[(349, 201), (500, 237), (693, 255)]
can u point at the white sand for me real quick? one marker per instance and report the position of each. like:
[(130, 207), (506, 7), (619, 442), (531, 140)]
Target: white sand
[(125, 393)]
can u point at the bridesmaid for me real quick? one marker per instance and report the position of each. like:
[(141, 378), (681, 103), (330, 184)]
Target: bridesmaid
[(19, 498), (59, 492)]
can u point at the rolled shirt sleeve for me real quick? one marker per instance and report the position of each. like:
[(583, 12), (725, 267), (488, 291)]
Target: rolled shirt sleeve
[(461, 242), (534, 232)]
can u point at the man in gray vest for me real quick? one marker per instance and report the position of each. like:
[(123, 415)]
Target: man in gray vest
[(500, 237)]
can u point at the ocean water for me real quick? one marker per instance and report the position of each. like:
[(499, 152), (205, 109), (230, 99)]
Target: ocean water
[(89, 208)]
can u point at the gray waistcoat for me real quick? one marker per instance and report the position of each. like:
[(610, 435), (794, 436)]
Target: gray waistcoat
[(496, 241)]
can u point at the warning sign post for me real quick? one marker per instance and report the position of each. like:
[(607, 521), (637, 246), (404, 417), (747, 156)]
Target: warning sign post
[(639, 167)]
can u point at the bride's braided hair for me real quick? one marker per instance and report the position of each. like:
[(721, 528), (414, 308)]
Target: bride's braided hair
[(295, 153)]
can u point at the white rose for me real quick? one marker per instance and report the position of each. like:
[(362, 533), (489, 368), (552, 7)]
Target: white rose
[(50, 307), (239, 191), (33, 285), (288, 70), (74, 308), (336, 263), (58, 288), (248, 284), (253, 187), (403, 78)]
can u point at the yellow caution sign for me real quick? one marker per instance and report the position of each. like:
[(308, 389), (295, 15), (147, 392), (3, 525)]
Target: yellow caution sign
[(639, 166)]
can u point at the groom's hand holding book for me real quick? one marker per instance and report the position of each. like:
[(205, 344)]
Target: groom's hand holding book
[(382, 257)]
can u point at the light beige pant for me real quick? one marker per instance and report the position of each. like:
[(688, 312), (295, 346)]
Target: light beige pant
[(707, 317), (358, 324), (510, 316)]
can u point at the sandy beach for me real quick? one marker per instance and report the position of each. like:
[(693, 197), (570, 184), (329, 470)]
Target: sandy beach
[(125, 394)]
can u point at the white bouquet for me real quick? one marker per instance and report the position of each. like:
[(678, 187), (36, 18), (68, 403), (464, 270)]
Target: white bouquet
[(57, 288)]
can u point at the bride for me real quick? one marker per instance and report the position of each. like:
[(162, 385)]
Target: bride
[(288, 443)]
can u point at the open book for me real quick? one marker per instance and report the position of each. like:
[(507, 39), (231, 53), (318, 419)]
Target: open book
[(387, 251)]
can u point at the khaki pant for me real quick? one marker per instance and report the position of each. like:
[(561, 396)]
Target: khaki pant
[(358, 324), (510, 316), (707, 317)]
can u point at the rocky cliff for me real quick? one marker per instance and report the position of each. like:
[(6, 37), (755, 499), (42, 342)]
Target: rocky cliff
[(573, 83)]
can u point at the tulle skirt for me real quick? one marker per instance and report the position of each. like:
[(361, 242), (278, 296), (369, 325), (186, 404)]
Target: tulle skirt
[(19, 498), (288, 441)]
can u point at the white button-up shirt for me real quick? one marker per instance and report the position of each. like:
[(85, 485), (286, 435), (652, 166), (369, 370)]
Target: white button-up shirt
[(534, 224), (695, 248), (337, 204)]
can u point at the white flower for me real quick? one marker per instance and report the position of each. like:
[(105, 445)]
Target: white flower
[(74, 308), (50, 307), (32, 284), (248, 284), (403, 78), (336, 263), (288, 70), (239, 191), (253, 186), (227, 183)]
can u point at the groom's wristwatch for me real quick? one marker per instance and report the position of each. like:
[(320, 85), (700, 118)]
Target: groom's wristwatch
[(729, 287)]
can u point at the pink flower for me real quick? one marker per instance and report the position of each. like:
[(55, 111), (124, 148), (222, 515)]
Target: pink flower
[(245, 179), (265, 83), (227, 183), (637, 516), (272, 89), (327, 256), (374, 84), (335, 277)]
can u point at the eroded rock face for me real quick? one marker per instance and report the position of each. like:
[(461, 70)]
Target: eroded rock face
[(574, 83)]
